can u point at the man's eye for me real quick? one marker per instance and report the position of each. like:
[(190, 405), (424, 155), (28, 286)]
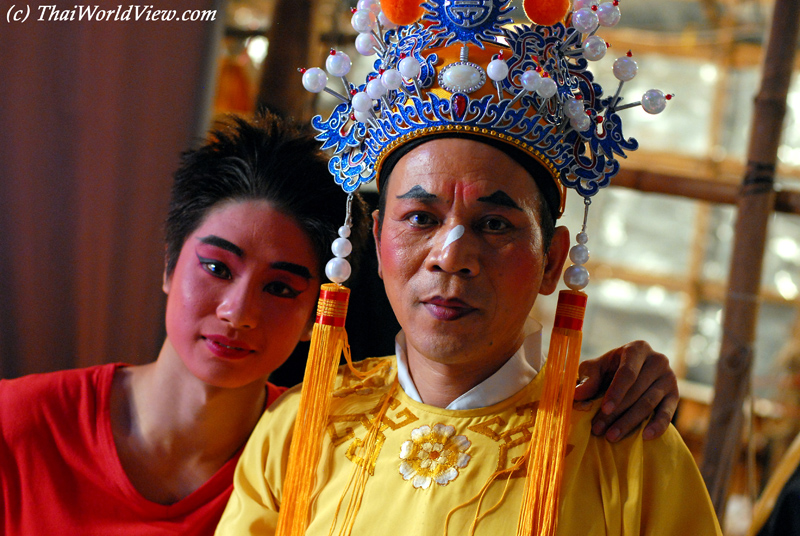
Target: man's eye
[(495, 225), (420, 219), (282, 290), (215, 268)]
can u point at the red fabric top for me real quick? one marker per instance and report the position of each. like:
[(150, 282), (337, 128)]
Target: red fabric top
[(59, 469)]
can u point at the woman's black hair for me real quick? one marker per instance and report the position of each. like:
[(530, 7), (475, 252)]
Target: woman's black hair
[(271, 159)]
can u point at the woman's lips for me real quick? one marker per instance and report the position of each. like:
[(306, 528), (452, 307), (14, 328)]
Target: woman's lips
[(447, 309), (226, 348)]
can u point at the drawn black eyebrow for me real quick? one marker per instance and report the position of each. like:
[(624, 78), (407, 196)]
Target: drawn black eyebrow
[(296, 269), (500, 198), (214, 240), (417, 192), (293, 268)]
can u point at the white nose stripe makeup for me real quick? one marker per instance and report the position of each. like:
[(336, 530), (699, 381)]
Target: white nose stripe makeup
[(454, 234)]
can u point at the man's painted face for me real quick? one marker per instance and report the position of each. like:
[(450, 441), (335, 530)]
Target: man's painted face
[(242, 293), (461, 252)]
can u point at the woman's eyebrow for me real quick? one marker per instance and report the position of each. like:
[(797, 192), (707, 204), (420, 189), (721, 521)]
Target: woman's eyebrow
[(217, 241), (297, 269), (214, 240)]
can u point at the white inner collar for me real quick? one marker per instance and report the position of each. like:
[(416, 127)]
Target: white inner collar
[(516, 373)]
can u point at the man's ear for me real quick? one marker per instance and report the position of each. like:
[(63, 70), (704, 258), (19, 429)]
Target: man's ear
[(554, 260), (376, 234)]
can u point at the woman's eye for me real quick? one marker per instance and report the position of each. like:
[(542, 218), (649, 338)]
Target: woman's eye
[(280, 289), (420, 219), (215, 268), (495, 225)]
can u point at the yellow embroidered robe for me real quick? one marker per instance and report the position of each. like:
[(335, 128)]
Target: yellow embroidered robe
[(432, 461)]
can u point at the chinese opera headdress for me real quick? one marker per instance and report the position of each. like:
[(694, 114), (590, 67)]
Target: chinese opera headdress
[(459, 68)]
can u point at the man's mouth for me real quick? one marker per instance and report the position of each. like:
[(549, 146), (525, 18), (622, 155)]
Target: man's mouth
[(447, 309)]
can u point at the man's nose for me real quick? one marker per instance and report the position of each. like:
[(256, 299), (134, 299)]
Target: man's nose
[(455, 251)]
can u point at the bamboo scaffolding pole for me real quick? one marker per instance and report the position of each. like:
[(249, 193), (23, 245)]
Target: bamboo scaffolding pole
[(756, 203), (700, 189)]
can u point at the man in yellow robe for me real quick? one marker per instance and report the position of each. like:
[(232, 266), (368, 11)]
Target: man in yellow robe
[(434, 440), (463, 392)]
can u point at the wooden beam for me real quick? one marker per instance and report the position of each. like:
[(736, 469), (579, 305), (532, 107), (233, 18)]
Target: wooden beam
[(756, 203), (699, 189), (699, 45)]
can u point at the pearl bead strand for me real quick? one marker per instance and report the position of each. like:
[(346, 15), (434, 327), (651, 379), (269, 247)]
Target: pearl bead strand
[(576, 276), (338, 268)]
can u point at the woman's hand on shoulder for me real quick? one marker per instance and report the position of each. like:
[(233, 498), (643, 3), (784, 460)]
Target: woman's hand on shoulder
[(638, 382)]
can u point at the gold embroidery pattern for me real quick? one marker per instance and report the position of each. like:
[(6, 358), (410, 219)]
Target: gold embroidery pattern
[(510, 438), (342, 428), (433, 454)]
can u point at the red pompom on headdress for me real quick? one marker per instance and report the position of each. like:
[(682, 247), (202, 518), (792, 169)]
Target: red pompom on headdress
[(546, 12), (402, 12)]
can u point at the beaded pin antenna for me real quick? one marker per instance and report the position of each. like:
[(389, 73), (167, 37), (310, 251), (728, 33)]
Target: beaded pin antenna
[(460, 67)]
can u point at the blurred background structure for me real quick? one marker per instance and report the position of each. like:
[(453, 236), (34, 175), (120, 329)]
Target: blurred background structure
[(94, 117)]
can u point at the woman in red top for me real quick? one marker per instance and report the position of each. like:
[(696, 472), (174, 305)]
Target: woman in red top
[(150, 450)]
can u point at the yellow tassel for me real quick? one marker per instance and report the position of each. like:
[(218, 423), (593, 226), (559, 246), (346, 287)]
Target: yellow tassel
[(328, 340), (361, 471), (540, 502)]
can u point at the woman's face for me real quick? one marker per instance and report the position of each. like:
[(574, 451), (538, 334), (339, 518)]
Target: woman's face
[(242, 293)]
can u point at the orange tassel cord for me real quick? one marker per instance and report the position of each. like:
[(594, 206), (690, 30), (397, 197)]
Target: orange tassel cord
[(328, 341), (540, 502)]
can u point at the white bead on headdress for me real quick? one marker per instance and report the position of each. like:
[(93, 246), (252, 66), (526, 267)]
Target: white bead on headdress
[(338, 268)]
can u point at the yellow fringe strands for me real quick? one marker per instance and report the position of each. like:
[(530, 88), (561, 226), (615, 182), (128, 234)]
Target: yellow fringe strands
[(482, 494), (540, 502), (354, 491), (328, 341)]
